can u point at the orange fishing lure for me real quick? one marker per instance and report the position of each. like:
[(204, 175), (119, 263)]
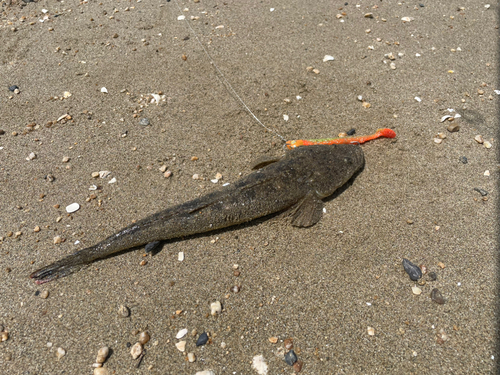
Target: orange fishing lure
[(386, 133)]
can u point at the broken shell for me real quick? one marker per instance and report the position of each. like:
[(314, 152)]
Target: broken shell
[(136, 351), (102, 354), (181, 345), (487, 144), (416, 290), (124, 311), (444, 118), (101, 371), (191, 357), (328, 58), (215, 308), (73, 207), (181, 333), (479, 138), (371, 331), (60, 353)]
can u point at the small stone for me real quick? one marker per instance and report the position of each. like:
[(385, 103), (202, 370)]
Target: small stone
[(204, 372), (453, 128), (487, 173), (218, 176), (180, 256), (273, 340), (315, 71), (102, 354), (366, 105), (290, 358), (191, 357), (483, 193), (163, 168), (123, 311), (288, 344), (441, 265), (167, 174), (65, 159), (368, 15), (351, 132), (196, 176), (236, 289), (31, 156), (441, 135), (432, 276), (144, 121), (13, 88), (487, 144), (4, 336), (438, 140), (370, 331), (215, 308), (480, 92), (202, 340), (297, 366), (194, 158), (181, 333), (44, 294), (437, 297), (101, 371), (412, 270), (392, 65), (60, 353), (463, 159), (184, 57), (144, 338), (328, 58), (236, 273), (479, 139), (57, 240), (136, 350), (181, 345), (416, 290)]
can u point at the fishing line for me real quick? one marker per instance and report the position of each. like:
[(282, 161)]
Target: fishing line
[(223, 79)]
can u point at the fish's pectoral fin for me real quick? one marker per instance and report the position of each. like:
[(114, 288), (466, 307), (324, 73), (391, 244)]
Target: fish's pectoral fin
[(150, 247), (263, 161), (308, 211)]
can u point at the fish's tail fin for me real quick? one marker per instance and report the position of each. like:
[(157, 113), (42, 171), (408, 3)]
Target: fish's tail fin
[(61, 268)]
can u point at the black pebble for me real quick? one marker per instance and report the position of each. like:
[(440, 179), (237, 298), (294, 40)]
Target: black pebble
[(202, 340), (2, 132), (463, 159), (13, 87), (151, 246), (421, 5), (351, 132), (37, 293), (290, 357), (128, 345), (412, 270), (483, 193), (432, 276)]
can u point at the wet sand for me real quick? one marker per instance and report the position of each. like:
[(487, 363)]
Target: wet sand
[(322, 286)]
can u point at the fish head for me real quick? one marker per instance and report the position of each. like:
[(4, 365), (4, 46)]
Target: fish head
[(328, 167)]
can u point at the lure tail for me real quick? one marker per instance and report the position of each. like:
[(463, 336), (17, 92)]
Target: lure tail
[(380, 133)]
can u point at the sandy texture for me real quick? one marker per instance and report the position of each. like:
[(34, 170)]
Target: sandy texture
[(313, 285)]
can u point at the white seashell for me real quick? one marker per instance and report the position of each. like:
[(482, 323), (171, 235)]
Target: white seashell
[(181, 18), (286, 118), (104, 174), (73, 207), (444, 118), (181, 345), (214, 180), (112, 181), (104, 90), (418, 99), (370, 331), (457, 115), (180, 256), (416, 290), (328, 58), (497, 92), (93, 187), (181, 333), (60, 353), (407, 19), (215, 308), (157, 98)]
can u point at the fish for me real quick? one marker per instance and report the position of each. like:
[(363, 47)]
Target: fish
[(296, 184)]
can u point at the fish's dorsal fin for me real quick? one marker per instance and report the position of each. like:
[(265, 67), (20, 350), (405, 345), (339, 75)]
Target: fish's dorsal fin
[(308, 211), (263, 161)]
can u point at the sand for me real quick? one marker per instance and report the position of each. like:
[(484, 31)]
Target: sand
[(322, 286)]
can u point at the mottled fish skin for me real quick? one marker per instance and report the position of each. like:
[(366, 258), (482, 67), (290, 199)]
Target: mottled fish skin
[(297, 182)]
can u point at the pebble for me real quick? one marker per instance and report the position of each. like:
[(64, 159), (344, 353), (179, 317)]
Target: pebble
[(236, 289), (101, 371), (416, 290), (167, 174), (432, 276), (136, 351), (202, 340), (438, 140), (60, 353), (487, 144), (392, 65), (370, 331), (481, 191), (57, 240), (31, 156), (144, 338), (297, 366), (328, 58), (102, 354), (437, 297), (95, 174), (205, 372), (215, 308), (44, 294), (73, 207), (144, 121), (290, 358), (13, 88), (196, 176), (463, 159), (65, 159), (351, 132), (104, 90), (479, 139), (288, 344), (453, 128), (181, 333), (181, 345), (180, 256), (487, 173), (191, 357), (123, 311), (4, 336), (368, 15), (273, 340), (441, 265), (412, 270)]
